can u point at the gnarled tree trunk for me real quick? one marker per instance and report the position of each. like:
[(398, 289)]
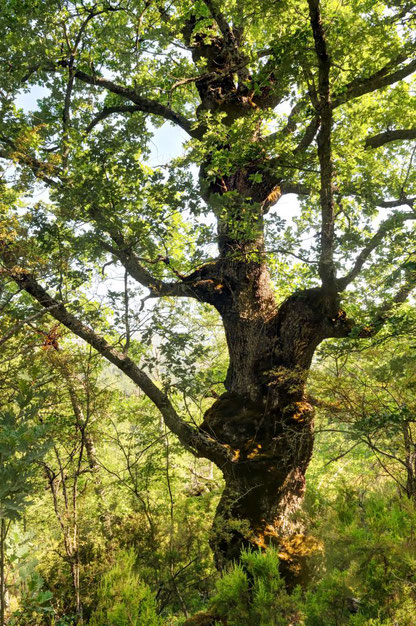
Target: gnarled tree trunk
[(264, 417)]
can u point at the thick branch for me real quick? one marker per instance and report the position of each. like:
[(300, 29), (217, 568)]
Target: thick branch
[(198, 443), (107, 111), (390, 135), (382, 78), (391, 204), (387, 226), (144, 104), (223, 25), (133, 264), (158, 288), (326, 262), (308, 136)]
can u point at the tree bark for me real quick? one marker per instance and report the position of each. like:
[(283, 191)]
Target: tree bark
[(264, 417), (410, 461), (2, 576)]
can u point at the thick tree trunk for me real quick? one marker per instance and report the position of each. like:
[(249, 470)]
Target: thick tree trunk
[(264, 417), (266, 482)]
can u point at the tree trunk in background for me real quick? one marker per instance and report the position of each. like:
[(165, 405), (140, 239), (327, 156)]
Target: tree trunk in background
[(3, 533), (410, 461)]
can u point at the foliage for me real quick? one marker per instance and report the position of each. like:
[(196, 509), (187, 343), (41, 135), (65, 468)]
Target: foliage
[(368, 572), (197, 276), (35, 602), (122, 598), (367, 403), (23, 443), (253, 593)]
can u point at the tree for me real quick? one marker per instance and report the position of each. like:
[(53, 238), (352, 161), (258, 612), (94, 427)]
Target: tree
[(22, 446), (296, 97), (368, 398)]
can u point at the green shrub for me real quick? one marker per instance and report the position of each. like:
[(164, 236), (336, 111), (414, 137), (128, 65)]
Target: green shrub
[(369, 562), (36, 603), (123, 599), (253, 593)]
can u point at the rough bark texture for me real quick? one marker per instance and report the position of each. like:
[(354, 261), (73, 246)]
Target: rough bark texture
[(264, 417)]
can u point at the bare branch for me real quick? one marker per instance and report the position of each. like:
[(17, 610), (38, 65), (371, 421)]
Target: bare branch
[(342, 454), (368, 441)]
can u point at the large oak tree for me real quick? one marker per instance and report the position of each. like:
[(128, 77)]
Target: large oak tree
[(285, 97)]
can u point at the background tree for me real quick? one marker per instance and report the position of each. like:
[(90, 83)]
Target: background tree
[(296, 97), (367, 399), (22, 445)]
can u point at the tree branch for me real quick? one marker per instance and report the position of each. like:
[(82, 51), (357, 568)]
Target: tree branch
[(41, 170), (158, 288), (391, 204), (388, 305), (326, 261), (12, 332), (308, 135), (133, 264), (223, 25), (200, 444), (390, 135), (107, 111), (144, 104), (387, 226), (379, 79)]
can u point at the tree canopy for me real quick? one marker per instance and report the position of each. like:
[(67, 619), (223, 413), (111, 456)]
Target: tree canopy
[(296, 97)]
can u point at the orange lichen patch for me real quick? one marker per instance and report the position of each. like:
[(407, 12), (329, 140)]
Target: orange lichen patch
[(16, 270), (274, 195), (298, 546), (270, 531), (301, 411), (254, 452), (266, 536), (218, 287), (235, 453), (260, 542), (341, 315)]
